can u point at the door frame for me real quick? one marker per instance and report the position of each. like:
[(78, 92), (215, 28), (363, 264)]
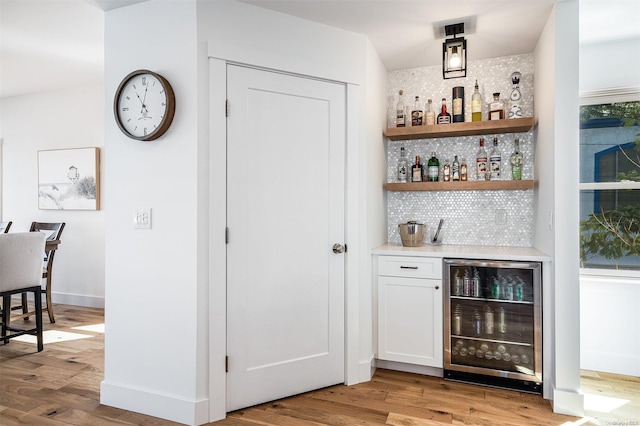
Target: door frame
[(217, 333)]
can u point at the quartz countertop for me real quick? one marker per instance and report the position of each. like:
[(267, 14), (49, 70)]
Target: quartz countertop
[(464, 251)]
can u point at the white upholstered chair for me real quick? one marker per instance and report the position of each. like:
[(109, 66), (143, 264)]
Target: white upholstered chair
[(21, 271)]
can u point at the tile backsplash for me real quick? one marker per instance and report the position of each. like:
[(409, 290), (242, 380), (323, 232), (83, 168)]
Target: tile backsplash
[(500, 218)]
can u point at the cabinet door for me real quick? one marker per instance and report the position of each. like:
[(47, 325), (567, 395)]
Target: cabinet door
[(410, 320)]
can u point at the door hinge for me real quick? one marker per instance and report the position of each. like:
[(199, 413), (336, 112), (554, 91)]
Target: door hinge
[(226, 235), (226, 364), (226, 108)]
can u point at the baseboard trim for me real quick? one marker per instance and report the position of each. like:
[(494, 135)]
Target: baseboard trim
[(78, 300), (153, 404), (409, 368), (568, 402)]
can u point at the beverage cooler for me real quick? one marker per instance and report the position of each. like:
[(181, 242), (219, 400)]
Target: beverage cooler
[(493, 323)]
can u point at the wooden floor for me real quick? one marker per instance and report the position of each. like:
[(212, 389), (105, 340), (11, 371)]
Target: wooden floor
[(60, 386)]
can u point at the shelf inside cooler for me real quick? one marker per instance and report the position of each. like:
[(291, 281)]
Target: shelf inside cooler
[(482, 339), (523, 302), (495, 356)]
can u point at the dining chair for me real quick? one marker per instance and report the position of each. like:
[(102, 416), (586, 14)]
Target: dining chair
[(20, 273), (4, 227), (52, 232)]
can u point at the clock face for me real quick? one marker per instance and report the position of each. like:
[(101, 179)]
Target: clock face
[(144, 105)]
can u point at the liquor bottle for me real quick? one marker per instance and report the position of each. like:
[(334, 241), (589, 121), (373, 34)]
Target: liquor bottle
[(416, 171), (455, 169), (400, 117), (516, 161), (457, 104), (516, 96), (429, 114), (495, 161), (446, 171), (433, 168), (496, 108), (488, 319), (444, 117), (463, 169), (416, 114), (476, 104), (403, 167), (481, 162)]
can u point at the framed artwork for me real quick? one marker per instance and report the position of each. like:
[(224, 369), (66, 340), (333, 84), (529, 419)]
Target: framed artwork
[(69, 179)]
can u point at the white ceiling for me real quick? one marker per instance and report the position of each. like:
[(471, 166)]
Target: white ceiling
[(51, 44)]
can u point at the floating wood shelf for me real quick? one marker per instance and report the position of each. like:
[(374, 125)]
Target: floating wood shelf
[(510, 125), (494, 185)]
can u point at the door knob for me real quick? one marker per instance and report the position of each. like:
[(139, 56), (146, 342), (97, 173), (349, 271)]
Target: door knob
[(339, 248)]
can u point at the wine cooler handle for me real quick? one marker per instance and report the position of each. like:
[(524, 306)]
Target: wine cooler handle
[(408, 267)]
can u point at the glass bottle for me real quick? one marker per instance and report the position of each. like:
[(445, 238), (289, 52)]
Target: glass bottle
[(463, 169), (429, 114), (466, 284), (502, 320), (455, 169), (477, 322), (481, 162), (403, 167), (444, 117), (476, 289), (457, 284), (488, 319), (457, 321), (400, 117), (495, 161), (457, 104), (416, 171), (476, 104), (496, 108), (416, 114), (516, 161), (433, 168), (516, 96), (446, 171)]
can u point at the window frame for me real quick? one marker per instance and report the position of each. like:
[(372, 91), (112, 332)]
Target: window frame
[(596, 97)]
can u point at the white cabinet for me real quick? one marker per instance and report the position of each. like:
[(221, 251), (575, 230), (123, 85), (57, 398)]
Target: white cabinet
[(410, 310)]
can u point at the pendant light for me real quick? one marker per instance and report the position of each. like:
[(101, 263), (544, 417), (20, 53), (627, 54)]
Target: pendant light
[(454, 53)]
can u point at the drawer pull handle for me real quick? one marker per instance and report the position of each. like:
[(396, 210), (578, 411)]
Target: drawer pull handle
[(408, 267)]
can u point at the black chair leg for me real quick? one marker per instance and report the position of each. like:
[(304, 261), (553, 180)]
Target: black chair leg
[(6, 310), (38, 302)]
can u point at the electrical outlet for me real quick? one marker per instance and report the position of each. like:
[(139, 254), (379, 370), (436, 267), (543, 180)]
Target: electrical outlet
[(142, 218)]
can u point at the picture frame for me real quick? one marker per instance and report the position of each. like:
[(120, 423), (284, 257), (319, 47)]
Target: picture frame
[(69, 179)]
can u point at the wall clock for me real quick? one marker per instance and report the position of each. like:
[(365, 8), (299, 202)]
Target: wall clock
[(144, 105)]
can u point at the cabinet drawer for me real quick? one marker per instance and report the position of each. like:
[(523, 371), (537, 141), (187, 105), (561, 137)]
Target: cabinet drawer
[(410, 267)]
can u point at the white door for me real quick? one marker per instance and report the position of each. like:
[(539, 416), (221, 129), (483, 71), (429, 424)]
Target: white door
[(285, 285)]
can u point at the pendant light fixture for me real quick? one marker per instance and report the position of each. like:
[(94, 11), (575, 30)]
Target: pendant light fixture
[(454, 53)]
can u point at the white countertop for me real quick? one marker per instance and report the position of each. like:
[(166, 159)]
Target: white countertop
[(466, 252)]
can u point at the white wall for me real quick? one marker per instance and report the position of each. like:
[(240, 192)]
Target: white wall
[(154, 360), (610, 324), (69, 118), (610, 64), (556, 114)]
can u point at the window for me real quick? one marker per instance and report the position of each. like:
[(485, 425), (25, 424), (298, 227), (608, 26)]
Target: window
[(610, 185)]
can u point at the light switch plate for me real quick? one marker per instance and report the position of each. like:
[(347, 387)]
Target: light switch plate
[(142, 218)]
